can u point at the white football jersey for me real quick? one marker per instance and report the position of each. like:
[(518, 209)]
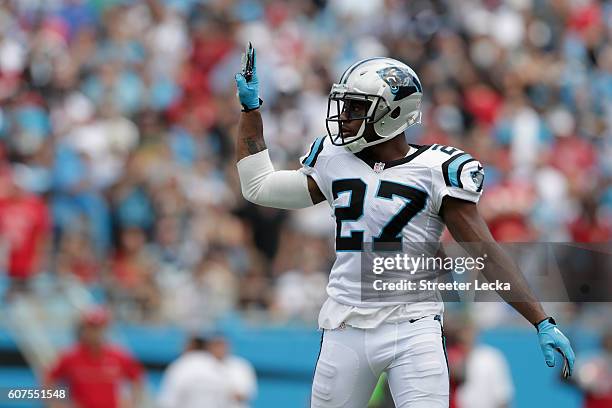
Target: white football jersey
[(393, 202)]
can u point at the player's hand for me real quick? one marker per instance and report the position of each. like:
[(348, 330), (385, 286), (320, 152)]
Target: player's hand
[(551, 339), (248, 88)]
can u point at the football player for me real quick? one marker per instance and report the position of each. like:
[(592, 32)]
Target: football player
[(381, 189)]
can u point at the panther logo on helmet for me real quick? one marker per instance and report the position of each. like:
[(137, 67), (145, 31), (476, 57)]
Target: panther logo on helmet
[(392, 92), (401, 82)]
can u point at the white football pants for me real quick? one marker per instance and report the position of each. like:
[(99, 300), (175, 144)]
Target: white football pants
[(412, 354)]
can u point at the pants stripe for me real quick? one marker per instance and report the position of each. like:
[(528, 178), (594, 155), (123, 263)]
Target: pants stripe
[(446, 358)]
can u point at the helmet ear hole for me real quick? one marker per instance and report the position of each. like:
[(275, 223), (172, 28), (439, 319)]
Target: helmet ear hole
[(395, 113)]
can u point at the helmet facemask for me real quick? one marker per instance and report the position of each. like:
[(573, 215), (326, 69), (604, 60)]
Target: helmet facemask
[(341, 101), (393, 93)]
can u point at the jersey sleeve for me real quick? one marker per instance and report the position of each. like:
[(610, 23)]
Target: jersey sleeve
[(314, 162), (461, 176)]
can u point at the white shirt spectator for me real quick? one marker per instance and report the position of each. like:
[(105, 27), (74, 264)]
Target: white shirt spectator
[(191, 382), (488, 383), (197, 379), (240, 378)]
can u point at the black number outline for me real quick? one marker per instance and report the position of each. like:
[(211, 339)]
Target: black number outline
[(353, 242), (444, 149), (415, 202), (357, 188)]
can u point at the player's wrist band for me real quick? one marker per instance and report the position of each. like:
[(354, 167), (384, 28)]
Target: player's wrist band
[(549, 319), (247, 109)]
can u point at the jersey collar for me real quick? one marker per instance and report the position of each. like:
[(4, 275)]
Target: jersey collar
[(386, 165)]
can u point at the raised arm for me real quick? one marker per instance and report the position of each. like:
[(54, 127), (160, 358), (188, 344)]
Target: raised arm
[(467, 226), (260, 183), (250, 134)]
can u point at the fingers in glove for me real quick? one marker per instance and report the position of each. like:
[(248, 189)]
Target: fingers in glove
[(254, 63), (549, 355), (568, 355), (240, 80)]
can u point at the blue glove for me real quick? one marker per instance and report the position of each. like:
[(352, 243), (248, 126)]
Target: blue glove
[(552, 339), (248, 91)]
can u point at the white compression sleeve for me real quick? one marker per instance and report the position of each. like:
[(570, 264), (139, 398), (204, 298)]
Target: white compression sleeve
[(261, 184)]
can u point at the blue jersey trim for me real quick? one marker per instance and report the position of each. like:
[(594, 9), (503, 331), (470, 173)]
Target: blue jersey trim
[(317, 147), (454, 166)]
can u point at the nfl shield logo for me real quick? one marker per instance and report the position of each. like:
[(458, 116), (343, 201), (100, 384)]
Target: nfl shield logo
[(378, 167)]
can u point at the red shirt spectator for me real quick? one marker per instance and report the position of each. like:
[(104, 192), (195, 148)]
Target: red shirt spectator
[(575, 158), (483, 103), (584, 230), (24, 227), (94, 371), (589, 227), (591, 401), (93, 377)]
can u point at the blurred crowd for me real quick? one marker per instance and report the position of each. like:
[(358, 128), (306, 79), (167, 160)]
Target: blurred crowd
[(118, 118)]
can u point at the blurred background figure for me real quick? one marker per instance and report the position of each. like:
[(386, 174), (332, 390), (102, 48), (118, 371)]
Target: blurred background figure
[(24, 231), (594, 375), (480, 377), (241, 382), (190, 380), (95, 372), (206, 375)]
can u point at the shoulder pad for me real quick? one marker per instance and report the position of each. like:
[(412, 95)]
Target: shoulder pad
[(455, 167)]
